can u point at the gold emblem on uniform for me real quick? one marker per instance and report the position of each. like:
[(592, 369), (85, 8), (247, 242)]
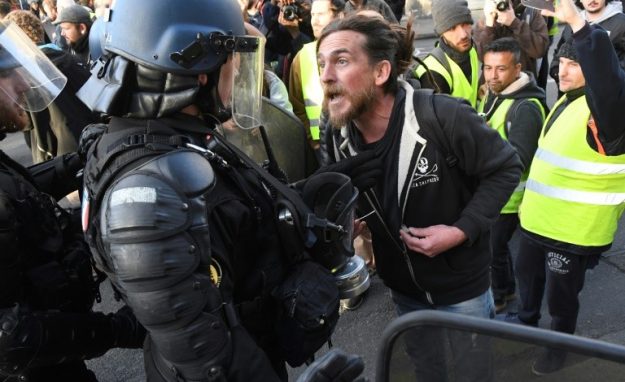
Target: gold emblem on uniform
[(215, 272)]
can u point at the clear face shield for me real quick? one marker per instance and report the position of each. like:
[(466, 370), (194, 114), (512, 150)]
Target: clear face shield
[(27, 77), (241, 77), (247, 85)]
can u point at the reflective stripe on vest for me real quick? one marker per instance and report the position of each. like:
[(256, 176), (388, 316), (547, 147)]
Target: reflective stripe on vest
[(498, 122), (574, 194), (311, 86), (456, 80)]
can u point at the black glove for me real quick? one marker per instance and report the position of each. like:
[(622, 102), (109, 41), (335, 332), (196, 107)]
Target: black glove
[(87, 137), (335, 366), (365, 169), (127, 331), (57, 177)]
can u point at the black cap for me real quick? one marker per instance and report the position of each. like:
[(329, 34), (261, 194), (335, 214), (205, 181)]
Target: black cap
[(567, 50), (76, 14)]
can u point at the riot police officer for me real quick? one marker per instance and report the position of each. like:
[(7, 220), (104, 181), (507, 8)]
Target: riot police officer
[(47, 287), (181, 221)]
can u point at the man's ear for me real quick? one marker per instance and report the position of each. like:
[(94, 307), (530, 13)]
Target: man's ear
[(202, 79), (382, 72)]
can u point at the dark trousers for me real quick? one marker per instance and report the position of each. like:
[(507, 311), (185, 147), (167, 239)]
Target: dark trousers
[(560, 274), (501, 270)]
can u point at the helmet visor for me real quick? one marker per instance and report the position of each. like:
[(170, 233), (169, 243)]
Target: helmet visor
[(247, 84), (30, 79)]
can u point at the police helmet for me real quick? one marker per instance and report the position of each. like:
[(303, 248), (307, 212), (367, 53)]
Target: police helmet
[(172, 36), (168, 43)]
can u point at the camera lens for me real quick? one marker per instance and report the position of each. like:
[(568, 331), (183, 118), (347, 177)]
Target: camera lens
[(289, 12), (502, 5)]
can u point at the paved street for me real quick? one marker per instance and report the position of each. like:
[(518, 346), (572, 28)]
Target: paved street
[(602, 313)]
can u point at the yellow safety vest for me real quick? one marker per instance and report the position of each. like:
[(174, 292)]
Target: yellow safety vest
[(458, 83), (573, 194), (311, 86), (498, 122)]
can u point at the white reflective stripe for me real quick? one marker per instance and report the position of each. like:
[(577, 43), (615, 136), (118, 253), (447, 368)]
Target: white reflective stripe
[(577, 165), (584, 197), (520, 187), (132, 195)]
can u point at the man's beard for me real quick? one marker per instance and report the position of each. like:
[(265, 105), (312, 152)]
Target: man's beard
[(12, 118), (359, 103), (79, 43)]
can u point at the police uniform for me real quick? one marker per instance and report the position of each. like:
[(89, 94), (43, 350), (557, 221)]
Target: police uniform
[(182, 222), (46, 287), (191, 245)]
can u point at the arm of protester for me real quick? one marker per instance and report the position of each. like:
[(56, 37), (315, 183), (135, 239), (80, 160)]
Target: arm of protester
[(525, 127), (481, 154), (434, 240), (605, 79)]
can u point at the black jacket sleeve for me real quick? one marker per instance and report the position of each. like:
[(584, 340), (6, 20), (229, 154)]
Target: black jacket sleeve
[(525, 126), (484, 155), (605, 85)]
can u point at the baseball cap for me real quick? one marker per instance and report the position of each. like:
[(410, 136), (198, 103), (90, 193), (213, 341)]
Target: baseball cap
[(76, 14)]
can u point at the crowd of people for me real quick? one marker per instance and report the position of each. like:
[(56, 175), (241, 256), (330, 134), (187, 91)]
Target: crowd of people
[(226, 270)]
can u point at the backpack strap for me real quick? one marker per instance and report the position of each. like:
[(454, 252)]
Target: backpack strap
[(423, 105), (440, 55)]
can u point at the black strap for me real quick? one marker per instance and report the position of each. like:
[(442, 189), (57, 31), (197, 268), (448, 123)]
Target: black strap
[(287, 192), (424, 110), (440, 55)]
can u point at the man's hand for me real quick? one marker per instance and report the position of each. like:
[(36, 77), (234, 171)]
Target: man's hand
[(506, 17), (490, 13), (431, 241), (566, 11)]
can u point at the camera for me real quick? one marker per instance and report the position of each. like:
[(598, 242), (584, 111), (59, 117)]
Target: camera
[(502, 5), (292, 11)]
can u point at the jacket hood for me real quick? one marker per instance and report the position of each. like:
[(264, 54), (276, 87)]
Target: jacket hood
[(611, 8), (524, 87)]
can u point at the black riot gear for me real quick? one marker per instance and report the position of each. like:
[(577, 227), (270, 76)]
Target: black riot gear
[(47, 285), (188, 231)]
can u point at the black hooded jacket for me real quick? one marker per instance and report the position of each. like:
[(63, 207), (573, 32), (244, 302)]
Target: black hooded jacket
[(524, 117)]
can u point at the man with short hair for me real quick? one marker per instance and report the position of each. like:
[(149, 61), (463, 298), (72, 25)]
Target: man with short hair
[(75, 22), (305, 92), (453, 63), (607, 14), (526, 25), (514, 106), (574, 193)]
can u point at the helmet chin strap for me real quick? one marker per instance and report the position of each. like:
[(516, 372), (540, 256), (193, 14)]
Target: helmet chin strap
[(209, 101)]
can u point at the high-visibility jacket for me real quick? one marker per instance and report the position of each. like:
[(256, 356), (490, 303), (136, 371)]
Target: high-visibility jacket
[(311, 86), (457, 81), (497, 121), (573, 194)]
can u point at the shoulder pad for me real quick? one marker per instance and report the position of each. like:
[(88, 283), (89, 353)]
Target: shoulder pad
[(153, 200), (188, 169)]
